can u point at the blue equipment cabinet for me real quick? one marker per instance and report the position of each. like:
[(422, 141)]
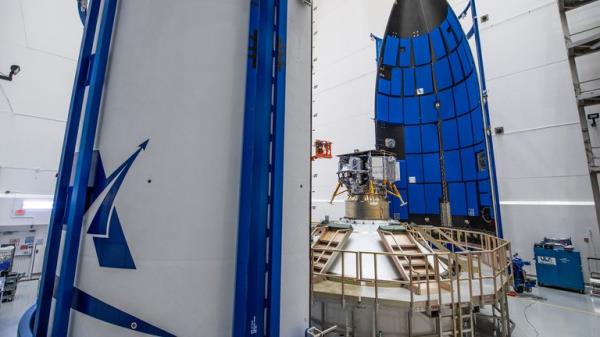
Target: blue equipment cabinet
[(558, 265)]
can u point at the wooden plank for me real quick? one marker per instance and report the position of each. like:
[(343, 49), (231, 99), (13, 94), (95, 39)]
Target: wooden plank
[(330, 239), (389, 243)]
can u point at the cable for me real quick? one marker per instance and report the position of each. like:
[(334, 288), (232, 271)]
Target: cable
[(537, 333)]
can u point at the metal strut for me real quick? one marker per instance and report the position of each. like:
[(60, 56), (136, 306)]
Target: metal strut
[(256, 307), (474, 32), (57, 219), (575, 49), (76, 207)]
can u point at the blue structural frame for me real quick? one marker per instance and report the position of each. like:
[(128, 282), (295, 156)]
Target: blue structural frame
[(486, 120), (261, 190), (64, 292), (247, 309), (91, 71), (61, 194)]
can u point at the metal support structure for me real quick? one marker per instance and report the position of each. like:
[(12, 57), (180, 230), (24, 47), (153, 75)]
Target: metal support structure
[(61, 198), (584, 98), (486, 122), (446, 296), (76, 208), (277, 158), (261, 193)]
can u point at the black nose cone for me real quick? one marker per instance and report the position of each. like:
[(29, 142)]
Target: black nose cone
[(416, 17)]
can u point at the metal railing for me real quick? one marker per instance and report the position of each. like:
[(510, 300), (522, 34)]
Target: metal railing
[(478, 270)]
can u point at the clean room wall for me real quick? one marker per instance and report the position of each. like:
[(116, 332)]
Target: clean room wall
[(42, 37), (343, 86), (542, 170), (541, 165)]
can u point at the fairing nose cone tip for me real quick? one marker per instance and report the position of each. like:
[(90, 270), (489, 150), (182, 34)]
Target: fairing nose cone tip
[(416, 17)]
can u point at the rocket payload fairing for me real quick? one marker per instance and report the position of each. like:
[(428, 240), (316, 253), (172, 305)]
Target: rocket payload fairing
[(428, 113), (142, 251)]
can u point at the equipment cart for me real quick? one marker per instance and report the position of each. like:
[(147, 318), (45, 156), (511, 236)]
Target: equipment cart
[(594, 268)]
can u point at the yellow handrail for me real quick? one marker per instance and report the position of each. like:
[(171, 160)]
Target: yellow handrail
[(500, 272)]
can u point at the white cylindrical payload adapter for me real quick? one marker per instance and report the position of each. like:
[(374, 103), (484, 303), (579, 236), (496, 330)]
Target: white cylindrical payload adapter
[(157, 250)]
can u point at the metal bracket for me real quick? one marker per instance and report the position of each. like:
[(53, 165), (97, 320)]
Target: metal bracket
[(253, 47)]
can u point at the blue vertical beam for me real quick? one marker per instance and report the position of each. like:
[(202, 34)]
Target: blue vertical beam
[(245, 208), (276, 209), (64, 293), (486, 122), (44, 300), (251, 258), (260, 192)]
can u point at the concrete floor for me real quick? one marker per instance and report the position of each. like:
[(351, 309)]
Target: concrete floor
[(563, 314), (10, 312)]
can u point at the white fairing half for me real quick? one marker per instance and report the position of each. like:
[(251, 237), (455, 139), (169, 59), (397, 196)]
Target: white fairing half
[(176, 76)]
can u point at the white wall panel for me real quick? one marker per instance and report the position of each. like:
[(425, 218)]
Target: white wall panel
[(500, 11), (342, 37), (328, 106), (33, 181), (30, 143), (570, 188), (356, 67), (321, 208), (4, 102), (352, 127), (544, 152), (525, 42), (12, 27), (530, 96), (43, 38), (52, 26), (43, 87)]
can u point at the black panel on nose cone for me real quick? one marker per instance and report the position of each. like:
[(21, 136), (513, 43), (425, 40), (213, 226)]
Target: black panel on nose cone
[(416, 17)]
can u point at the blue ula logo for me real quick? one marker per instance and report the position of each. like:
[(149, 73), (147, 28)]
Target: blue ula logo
[(102, 218)]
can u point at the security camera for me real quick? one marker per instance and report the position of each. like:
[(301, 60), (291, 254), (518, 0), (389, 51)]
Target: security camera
[(14, 70)]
